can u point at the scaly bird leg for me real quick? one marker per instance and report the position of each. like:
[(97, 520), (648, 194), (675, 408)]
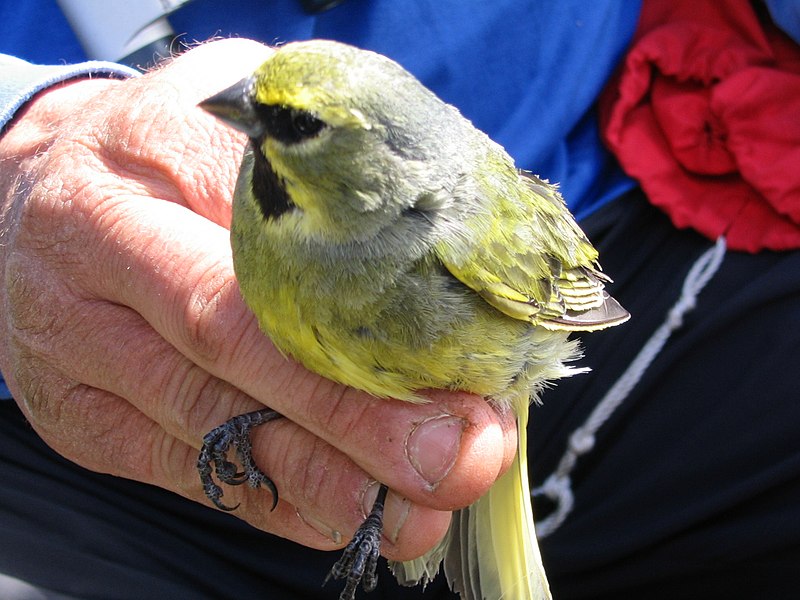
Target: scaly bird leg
[(359, 560), (214, 457)]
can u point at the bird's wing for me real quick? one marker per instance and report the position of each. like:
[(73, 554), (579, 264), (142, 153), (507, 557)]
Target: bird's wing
[(527, 257)]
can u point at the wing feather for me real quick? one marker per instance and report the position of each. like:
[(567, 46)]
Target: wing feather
[(525, 255)]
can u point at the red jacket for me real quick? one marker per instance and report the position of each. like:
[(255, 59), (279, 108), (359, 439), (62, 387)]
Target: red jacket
[(705, 113)]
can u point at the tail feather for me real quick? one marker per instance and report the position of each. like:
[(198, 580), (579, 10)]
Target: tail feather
[(422, 570)]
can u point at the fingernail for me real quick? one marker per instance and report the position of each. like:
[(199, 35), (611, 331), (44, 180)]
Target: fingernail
[(319, 526), (433, 445), (395, 511)]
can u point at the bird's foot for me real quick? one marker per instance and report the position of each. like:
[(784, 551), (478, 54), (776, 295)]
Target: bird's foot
[(214, 457), (359, 561)]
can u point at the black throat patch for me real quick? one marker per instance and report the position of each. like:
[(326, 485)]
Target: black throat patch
[(268, 188)]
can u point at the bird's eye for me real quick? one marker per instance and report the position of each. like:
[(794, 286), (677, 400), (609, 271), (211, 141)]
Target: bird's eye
[(306, 124), (289, 125)]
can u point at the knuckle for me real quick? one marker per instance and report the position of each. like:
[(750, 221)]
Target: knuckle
[(203, 402), (30, 300), (75, 419), (174, 462), (40, 389), (43, 316), (202, 336), (103, 432), (346, 412), (212, 327), (317, 478)]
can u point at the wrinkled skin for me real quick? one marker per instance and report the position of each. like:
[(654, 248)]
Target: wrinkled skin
[(125, 338)]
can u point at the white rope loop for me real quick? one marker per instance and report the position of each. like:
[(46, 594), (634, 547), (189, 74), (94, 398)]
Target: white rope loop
[(558, 486)]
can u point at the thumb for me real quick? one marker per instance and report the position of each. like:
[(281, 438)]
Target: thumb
[(164, 131), (210, 67)]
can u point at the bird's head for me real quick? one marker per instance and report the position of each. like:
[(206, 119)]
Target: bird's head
[(346, 132)]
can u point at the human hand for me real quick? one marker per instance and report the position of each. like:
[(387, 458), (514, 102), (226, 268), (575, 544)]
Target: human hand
[(125, 338)]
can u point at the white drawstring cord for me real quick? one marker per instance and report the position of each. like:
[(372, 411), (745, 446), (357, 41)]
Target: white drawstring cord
[(558, 486)]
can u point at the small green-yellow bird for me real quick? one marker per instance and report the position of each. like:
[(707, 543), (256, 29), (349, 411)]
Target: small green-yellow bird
[(385, 243)]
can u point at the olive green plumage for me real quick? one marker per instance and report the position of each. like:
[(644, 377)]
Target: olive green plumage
[(387, 244)]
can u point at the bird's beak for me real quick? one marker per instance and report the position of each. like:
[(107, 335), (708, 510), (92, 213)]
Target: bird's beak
[(235, 107)]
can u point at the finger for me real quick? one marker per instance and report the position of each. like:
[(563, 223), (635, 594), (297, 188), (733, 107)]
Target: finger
[(334, 496), (110, 346), (189, 155), (321, 492), (105, 433), (160, 401)]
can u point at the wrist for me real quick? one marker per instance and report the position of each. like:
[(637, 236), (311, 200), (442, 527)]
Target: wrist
[(37, 122), (20, 80)]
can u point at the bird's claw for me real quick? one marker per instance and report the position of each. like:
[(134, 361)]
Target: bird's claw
[(213, 457)]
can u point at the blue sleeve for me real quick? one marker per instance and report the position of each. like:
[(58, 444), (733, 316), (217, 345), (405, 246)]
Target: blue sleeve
[(20, 80)]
